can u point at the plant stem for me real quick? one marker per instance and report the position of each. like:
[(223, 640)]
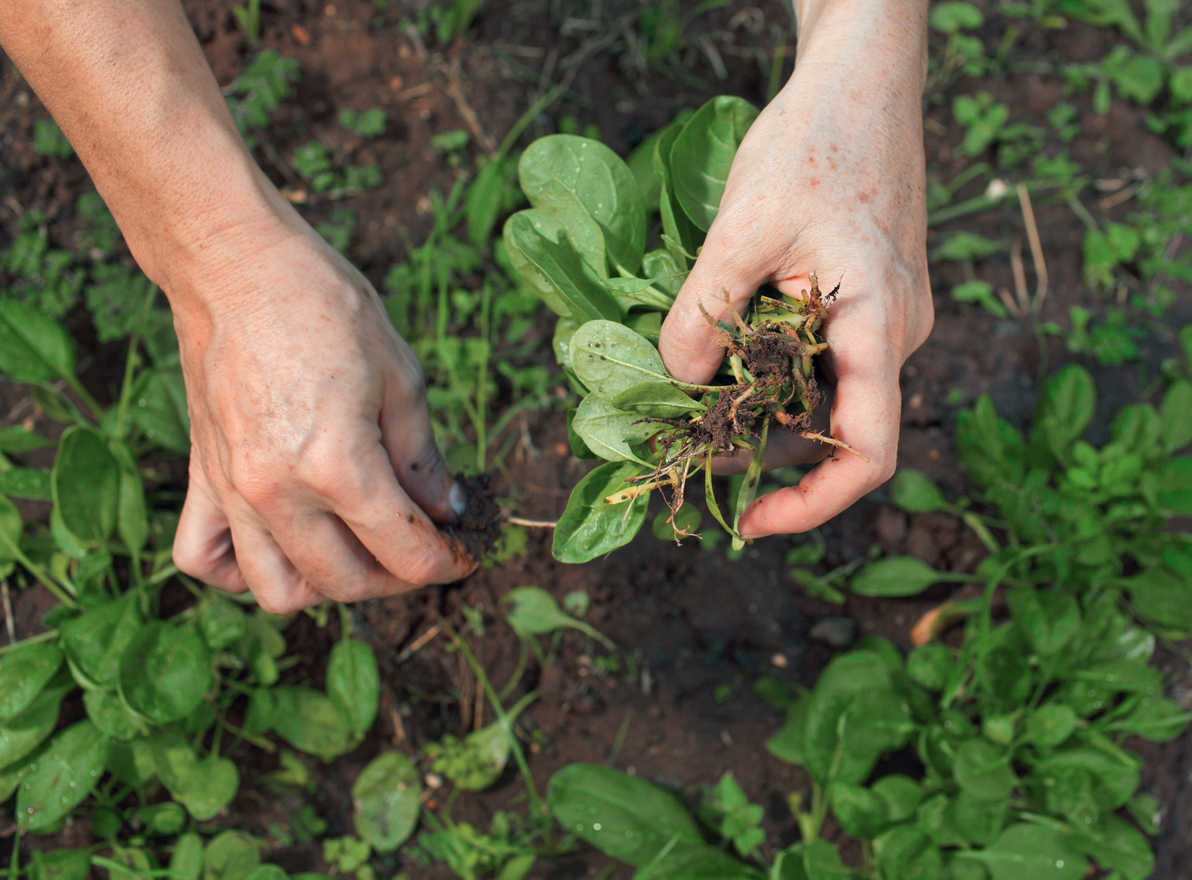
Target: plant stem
[(38, 572), (47, 636), (130, 362)]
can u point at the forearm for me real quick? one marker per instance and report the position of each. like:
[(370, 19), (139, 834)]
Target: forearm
[(886, 38), (130, 87)]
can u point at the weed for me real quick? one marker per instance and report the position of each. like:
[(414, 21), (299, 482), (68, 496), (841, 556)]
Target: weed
[(369, 124), (48, 140)]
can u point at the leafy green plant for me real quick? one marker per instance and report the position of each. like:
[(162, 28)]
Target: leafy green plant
[(267, 81), (447, 18), (314, 163), (48, 140), (249, 18), (369, 124), (581, 247)]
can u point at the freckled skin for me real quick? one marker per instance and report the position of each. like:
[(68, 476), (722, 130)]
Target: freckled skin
[(859, 217)]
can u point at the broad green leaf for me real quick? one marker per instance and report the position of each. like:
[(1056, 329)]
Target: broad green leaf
[(353, 682), (861, 812), (536, 612), (31, 483), (132, 515), (702, 863), (682, 237), (788, 744), (671, 526), (1161, 596), (86, 486), (61, 776), (1030, 852), (386, 799), (983, 770), (230, 855), (95, 640), (610, 358), (1138, 429), (267, 872), (930, 666), (24, 673), (159, 408), (1154, 718), (703, 153), (568, 284), (953, 17), (979, 821), (33, 348), (1116, 845), (901, 794), (990, 448), (186, 862), (164, 672), (161, 820), (1066, 407), (916, 492), (311, 722), (1050, 618), (896, 576), (132, 763), (10, 534), (486, 199), (109, 714), (608, 431), (622, 816), (1115, 771), (639, 293), (590, 526), (658, 399), (1176, 419), (907, 853), (221, 622), (17, 438), (203, 785), (61, 864), (817, 860), (1049, 725), (24, 733), (572, 172)]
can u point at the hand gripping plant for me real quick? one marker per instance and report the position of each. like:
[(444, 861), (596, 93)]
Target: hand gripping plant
[(582, 248)]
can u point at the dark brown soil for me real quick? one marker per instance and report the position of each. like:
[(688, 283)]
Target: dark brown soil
[(694, 628), (479, 526)]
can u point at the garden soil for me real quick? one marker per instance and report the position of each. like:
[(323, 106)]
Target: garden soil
[(694, 629)]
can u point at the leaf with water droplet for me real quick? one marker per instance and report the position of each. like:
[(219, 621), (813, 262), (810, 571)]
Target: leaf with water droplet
[(94, 640), (353, 683), (78, 755), (164, 672), (386, 798), (19, 737), (23, 674)]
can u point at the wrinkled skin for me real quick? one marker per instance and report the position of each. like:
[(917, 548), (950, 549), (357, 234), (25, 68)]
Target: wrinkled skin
[(829, 179)]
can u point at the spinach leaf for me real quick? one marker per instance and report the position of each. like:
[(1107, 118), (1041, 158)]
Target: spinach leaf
[(703, 153)]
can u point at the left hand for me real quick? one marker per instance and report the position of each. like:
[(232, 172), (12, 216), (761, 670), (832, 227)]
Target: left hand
[(829, 179)]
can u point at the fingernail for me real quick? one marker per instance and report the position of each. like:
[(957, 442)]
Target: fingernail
[(458, 498)]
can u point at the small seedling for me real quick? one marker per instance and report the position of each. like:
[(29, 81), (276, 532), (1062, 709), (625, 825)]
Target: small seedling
[(369, 124)]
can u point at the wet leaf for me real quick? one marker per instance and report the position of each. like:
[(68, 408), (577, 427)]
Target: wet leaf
[(230, 855), (658, 399), (33, 348), (590, 527), (353, 682), (386, 798), (702, 863), (24, 733), (312, 723), (983, 770), (95, 640), (610, 358), (1049, 725), (1030, 852), (703, 153), (164, 672), (61, 864), (61, 776), (159, 408), (85, 483), (24, 673), (203, 785), (907, 854), (608, 431), (573, 172), (622, 816), (109, 714), (681, 235)]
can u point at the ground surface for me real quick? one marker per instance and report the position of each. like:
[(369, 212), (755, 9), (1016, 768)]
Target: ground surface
[(693, 620)]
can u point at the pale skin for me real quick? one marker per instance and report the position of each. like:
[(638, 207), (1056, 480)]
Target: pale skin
[(314, 474)]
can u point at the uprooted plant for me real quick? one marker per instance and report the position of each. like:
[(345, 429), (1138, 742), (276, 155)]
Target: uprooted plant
[(582, 248)]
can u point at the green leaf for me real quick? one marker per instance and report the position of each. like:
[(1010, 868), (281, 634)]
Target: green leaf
[(702, 863), (230, 855), (1030, 852), (565, 171), (161, 820), (703, 153), (31, 483), (132, 515), (311, 722), (62, 864), (535, 612), (983, 770), (221, 622), (554, 260), (33, 348), (915, 492), (1176, 420), (788, 743), (590, 527), (979, 821), (907, 854), (608, 431), (109, 714), (164, 672), (1116, 845), (24, 733), (901, 795), (10, 534), (658, 399), (486, 199), (1115, 771), (16, 438), (861, 812), (1049, 725), (1065, 409), (930, 666), (953, 17), (817, 860), (86, 486), (610, 358), (682, 237), (63, 774), (159, 409), (622, 816), (353, 682), (24, 673), (896, 576), (95, 640), (386, 800), (1050, 618), (203, 785), (1154, 718)]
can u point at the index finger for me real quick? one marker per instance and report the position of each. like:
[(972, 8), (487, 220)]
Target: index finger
[(865, 415)]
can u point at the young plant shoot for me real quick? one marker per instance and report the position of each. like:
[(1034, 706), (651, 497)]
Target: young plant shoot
[(581, 247)]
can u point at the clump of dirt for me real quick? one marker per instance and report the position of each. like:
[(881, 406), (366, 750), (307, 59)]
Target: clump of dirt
[(479, 526)]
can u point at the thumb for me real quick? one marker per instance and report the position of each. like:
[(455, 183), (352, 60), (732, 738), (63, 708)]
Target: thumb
[(420, 467), (724, 277)]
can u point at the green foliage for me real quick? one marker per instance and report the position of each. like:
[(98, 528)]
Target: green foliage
[(369, 124), (313, 162), (477, 761), (445, 19), (48, 140), (268, 80)]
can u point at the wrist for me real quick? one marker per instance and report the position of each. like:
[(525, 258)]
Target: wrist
[(885, 37)]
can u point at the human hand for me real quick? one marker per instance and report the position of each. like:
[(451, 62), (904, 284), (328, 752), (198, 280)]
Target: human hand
[(314, 474), (829, 179)]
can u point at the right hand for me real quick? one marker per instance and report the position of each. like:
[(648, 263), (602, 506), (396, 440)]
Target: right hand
[(314, 473)]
